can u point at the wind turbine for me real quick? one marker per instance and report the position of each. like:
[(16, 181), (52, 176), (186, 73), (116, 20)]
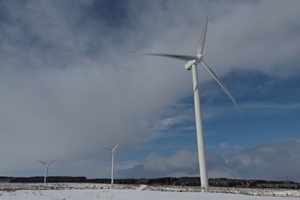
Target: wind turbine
[(113, 153), (46, 168), (192, 62)]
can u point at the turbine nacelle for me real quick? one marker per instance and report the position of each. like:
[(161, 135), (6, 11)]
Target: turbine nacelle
[(189, 64), (195, 61)]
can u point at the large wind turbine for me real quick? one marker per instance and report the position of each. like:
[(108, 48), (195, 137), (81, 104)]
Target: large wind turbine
[(46, 168), (192, 62), (113, 153)]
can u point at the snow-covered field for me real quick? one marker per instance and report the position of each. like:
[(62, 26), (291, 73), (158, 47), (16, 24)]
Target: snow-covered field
[(74, 191)]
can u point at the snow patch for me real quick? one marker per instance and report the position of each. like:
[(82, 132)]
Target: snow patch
[(142, 187)]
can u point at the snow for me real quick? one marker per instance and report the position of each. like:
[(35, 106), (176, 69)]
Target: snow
[(64, 191), (142, 187)]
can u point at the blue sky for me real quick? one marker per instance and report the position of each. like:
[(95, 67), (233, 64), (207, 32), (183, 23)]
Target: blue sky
[(69, 88)]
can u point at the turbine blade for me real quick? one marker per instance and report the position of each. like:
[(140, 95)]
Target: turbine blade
[(202, 38), (108, 149), (53, 161), (117, 155), (117, 145), (42, 162), (175, 56), (222, 85)]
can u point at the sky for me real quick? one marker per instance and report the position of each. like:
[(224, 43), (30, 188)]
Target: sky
[(70, 88)]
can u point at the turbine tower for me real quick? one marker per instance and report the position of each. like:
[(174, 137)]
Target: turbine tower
[(46, 168), (113, 153), (192, 62)]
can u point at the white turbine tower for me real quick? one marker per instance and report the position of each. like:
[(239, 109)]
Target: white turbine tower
[(46, 168), (192, 62), (113, 153)]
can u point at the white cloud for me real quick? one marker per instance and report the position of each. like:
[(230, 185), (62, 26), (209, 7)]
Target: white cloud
[(268, 108), (268, 161), (272, 161), (226, 146), (180, 160)]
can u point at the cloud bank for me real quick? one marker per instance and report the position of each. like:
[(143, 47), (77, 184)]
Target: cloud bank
[(271, 161)]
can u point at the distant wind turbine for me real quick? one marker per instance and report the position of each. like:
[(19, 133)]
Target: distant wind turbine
[(192, 62), (113, 153), (46, 168)]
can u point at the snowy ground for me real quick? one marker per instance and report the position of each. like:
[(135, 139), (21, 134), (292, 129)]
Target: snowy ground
[(74, 191)]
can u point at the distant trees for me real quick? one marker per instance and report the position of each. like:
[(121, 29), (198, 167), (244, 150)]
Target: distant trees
[(182, 181)]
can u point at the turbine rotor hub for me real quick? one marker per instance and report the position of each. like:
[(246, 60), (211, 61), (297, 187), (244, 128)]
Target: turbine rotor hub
[(199, 58)]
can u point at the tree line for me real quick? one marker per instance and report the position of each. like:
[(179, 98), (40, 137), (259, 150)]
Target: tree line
[(182, 181)]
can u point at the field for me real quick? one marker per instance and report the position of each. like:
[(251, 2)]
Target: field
[(74, 191)]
